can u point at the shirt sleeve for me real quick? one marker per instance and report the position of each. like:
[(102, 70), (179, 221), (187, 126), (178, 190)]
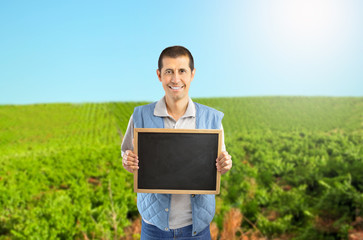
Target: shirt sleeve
[(223, 145), (127, 143)]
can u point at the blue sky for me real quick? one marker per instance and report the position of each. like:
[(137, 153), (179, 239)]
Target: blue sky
[(98, 51)]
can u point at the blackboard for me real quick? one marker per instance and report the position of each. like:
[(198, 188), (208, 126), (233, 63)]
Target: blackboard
[(178, 161)]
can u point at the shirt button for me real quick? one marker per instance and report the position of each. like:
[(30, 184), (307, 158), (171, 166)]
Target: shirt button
[(166, 229), (195, 232), (166, 209)]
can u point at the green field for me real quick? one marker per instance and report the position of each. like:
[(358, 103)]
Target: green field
[(297, 169)]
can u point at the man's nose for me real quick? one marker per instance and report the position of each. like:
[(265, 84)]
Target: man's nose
[(175, 78)]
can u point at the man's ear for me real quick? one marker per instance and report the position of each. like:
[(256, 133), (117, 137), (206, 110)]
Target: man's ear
[(193, 72), (159, 74)]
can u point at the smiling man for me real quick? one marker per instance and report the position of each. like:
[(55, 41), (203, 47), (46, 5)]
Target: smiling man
[(174, 216)]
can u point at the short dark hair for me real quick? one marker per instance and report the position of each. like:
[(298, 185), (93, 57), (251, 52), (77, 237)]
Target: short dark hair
[(174, 52)]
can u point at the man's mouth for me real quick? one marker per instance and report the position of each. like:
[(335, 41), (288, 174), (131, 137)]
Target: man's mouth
[(176, 88)]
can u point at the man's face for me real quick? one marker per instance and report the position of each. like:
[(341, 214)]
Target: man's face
[(176, 77)]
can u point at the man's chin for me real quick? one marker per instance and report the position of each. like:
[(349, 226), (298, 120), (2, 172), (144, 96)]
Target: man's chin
[(178, 97)]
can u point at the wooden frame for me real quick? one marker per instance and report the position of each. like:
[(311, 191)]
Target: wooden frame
[(201, 141)]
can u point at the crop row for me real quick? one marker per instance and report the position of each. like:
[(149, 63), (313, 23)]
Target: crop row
[(297, 168), (303, 186), (306, 186)]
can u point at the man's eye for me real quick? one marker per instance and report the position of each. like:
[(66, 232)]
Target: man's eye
[(168, 71), (182, 70)]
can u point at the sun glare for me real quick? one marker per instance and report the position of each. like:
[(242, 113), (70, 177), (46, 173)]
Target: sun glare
[(304, 27), (307, 20)]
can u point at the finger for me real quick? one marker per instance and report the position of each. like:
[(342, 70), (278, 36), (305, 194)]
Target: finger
[(130, 161), (223, 155), (131, 164), (130, 158), (131, 168), (226, 163), (130, 153), (224, 167), (224, 159), (219, 163)]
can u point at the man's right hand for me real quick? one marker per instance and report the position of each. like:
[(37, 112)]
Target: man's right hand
[(130, 161)]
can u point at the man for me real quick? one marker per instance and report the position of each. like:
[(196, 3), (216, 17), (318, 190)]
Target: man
[(170, 216)]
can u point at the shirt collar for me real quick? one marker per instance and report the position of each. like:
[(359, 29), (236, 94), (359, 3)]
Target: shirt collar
[(161, 111)]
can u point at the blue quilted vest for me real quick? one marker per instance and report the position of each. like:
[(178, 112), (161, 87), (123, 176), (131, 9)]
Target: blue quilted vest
[(154, 207)]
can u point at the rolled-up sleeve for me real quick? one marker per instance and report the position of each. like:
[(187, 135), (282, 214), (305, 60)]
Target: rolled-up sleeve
[(223, 145), (128, 137)]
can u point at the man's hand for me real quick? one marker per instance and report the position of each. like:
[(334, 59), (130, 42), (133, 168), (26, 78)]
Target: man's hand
[(224, 162), (130, 161)]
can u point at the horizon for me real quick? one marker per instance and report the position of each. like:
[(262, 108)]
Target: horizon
[(92, 52), (196, 98)]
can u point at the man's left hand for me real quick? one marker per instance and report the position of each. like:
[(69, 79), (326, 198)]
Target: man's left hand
[(224, 162)]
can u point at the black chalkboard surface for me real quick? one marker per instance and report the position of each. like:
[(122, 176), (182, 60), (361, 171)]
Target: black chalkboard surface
[(179, 161)]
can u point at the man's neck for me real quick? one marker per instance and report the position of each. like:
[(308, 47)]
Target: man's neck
[(176, 109)]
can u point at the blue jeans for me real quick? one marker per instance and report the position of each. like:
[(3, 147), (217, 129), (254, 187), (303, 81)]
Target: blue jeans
[(151, 232)]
